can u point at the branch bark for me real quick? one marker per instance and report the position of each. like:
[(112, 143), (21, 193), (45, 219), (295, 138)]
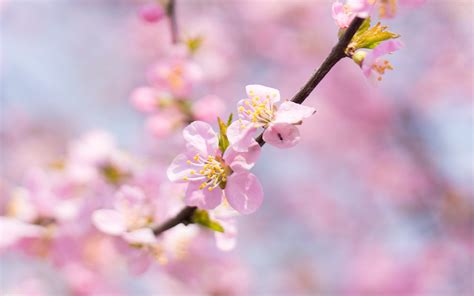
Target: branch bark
[(337, 53), (171, 12)]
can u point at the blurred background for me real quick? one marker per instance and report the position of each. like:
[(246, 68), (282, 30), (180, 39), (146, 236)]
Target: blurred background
[(377, 198)]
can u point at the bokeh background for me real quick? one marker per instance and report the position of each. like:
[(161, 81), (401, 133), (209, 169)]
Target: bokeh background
[(376, 199)]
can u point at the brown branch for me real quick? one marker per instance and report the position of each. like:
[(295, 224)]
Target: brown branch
[(171, 12), (184, 216), (337, 53)]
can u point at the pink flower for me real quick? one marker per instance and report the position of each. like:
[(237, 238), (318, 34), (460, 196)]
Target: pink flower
[(373, 66), (130, 219), (343, 14), (208, 108), (176, 75), (162, 123), (151, 13), (259, 110), (145, 99), (213, 176)]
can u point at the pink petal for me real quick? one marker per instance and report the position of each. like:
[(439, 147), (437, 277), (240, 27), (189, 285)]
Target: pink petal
[(226, 241), (202, 198), (282, 135), (289, 112), (240, 135), (244, 192), (179, 169), (13, 230), (109, 221), (160, 126), (263, 92), (140, 236), (239, 161), (342, 18), (200, 137)]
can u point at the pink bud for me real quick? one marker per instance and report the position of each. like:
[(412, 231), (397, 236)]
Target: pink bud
[(151, 13), (144, 99)]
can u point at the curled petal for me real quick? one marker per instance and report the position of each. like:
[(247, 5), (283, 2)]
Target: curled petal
[(342, 18), (109, 221), (263, 92), (244, 192), (200, 137), (202, 198), (240, 135), (282, 135), (179, 169), (293, 113)]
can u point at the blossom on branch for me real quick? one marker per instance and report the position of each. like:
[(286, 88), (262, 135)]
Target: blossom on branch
[(213, 175), (260, 111)]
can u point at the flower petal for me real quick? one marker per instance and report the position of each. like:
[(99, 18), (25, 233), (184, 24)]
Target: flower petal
[(200, 137), (202, 198), (227, 240), (244, 192), (240, 135), (282, 135), (109, 221), (263, 92), (239, 161), (179, 169), (140, 236), (290, 112)]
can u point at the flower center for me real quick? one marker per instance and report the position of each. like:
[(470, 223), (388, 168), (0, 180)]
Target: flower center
[(211, 170), (381, 68), (258, 111)]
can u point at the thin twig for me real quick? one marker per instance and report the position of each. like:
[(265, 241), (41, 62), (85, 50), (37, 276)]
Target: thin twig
[(171, 12), (184, 216), (337, 53)]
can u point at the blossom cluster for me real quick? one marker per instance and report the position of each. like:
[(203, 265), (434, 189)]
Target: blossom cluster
[(99, 208)]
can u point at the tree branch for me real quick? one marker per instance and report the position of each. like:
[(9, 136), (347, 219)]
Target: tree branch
[(171, 12), (184, 216), (337, 53)]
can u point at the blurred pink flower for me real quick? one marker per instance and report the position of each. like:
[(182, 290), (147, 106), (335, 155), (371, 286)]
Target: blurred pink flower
[(373, 66), (208, 108), (151, 12), (145, 99), (343, 14), (131, 218), (212, 176), (162, 123), (176, 75), (259, 110)]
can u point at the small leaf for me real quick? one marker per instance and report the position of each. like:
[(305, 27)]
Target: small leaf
[(229, 121), (202, 218), (223, 140)]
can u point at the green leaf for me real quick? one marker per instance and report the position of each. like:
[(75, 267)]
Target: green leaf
[(202, 218), (229, 120)]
